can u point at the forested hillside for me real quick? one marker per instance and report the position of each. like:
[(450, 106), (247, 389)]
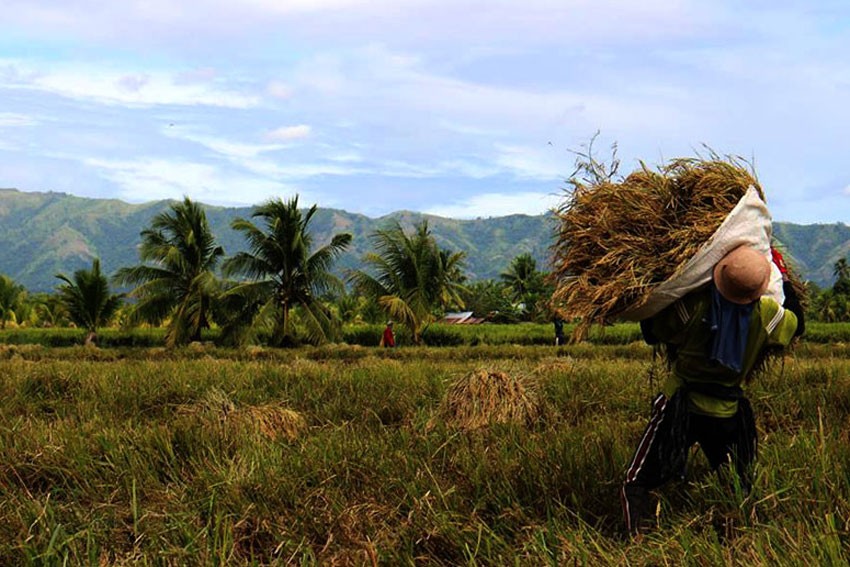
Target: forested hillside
[(42, 234)]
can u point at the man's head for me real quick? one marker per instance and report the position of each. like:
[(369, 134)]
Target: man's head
[(742, 275), (389, 323)]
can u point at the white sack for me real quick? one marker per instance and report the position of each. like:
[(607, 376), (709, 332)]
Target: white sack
[(748, 223)]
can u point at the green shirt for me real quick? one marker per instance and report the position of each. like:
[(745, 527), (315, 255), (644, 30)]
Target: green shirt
[(683, 324)]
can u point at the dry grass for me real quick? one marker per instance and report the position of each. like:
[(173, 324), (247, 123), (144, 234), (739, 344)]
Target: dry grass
[(100, 467), (483, 398), (617, 240), (273, 421)]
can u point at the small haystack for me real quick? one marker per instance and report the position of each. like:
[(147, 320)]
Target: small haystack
[(482, 398), (617, 240), (270, 420), (214, 402), (273, 421)]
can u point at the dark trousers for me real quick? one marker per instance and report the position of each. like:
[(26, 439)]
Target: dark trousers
[(662, 452)]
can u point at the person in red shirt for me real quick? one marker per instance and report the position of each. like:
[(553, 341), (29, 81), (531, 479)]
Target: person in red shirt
[(388, 338)]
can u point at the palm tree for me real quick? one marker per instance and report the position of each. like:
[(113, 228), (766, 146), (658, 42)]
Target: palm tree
[(87, 298), (841, 270), (414, 278), (177, 277), (282, 272), (11, 296), (48, 310), (522, 277), (526, 286), (347, 306), (486, 298)]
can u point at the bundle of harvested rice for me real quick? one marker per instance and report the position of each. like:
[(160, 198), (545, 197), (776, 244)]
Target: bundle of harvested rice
[(271, 420), (214, 402), (617, 240), (482, 398)]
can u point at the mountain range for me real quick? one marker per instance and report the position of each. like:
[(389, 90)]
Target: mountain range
[(44, 234)]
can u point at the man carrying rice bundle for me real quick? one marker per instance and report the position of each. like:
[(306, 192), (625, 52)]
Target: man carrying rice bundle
[(714, 336), (686, 250)]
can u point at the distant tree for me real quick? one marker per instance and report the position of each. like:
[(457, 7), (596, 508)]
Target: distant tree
[(87, 299), (369, 310), (522, 277), (841, 270), (813, 294), (527, 286), (833, 304), (11, 296), (283, 273), (414, 279), (47, 310), (346, 305), (831, 307), (176, 279), (488, 298)]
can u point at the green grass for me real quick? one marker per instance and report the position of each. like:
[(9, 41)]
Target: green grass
[(113, 456), (521, 334), (525, 334)]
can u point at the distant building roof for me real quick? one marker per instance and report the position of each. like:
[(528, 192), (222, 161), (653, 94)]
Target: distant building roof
[(463, 318)]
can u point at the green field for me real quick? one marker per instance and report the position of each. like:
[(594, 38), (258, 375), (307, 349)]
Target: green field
[(136, 455)]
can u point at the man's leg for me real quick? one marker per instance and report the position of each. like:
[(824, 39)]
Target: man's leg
[(659, 456), (727, 441)]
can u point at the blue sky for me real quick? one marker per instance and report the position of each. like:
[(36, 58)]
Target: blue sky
[(462, 108)]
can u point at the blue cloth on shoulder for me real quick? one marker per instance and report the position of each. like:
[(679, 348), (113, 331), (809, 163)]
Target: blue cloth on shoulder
[(730, 326)]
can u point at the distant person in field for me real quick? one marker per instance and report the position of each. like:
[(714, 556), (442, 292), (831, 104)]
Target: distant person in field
[(559, 331), (388, 338), (714, 338)]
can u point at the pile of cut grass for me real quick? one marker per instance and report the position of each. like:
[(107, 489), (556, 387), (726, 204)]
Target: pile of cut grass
[(273, 421), (483, 398)]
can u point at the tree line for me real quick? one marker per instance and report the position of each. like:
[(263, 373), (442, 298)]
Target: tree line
[(281, 290), (832, 304)]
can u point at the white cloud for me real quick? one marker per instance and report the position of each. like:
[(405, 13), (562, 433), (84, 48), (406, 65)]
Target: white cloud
[(235, 151), (517, 161), (497, 205), (299, 171), (395, 93), (198, 75), (530, 163), (118, 87), (278, 89), (272, 7), (132, 83), (289, 133), (156, 178), (346, 157), (16, 120), (250, 157), (469, 169), (471, 130)]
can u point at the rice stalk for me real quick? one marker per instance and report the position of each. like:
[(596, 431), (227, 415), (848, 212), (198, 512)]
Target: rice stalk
[(273, 421), (617, 240), (483, 398)]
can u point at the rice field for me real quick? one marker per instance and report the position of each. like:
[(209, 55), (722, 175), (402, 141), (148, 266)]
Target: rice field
[(352, 455)]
